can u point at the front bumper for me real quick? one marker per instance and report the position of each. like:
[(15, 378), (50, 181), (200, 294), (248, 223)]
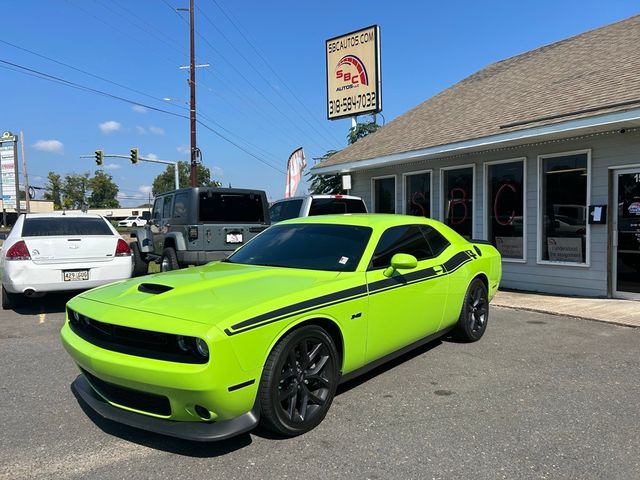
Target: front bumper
[(197, 431), (221, 386)]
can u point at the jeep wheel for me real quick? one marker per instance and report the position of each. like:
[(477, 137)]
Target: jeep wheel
[(169, 260), (140, 266)]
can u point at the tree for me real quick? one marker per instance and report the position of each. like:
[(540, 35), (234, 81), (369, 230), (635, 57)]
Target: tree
[(166, 180), (103, 191), (325, 184), (74, 190), (332, 184), (53, 189), (361, 130)]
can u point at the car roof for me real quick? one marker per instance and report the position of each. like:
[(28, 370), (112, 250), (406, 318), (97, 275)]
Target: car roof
[(62, 214), (302, 197), (377, 220)]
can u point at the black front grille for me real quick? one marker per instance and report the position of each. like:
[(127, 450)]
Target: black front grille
[(142, 401), (132, 341)]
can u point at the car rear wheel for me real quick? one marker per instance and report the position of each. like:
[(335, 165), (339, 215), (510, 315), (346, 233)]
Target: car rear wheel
[(169, 260), (299, 381), (10, 300), (474, 316), (140, 266)]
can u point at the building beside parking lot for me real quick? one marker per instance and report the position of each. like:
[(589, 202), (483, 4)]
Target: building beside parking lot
[(538, 154)]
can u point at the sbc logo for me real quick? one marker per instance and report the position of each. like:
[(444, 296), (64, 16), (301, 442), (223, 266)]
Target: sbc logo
[(352, 71)]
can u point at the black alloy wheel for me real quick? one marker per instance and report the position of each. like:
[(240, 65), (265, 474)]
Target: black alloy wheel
[(475, 312), (299, 381)]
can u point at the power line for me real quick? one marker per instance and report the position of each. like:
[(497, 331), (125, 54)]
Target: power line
[(82, 71), (45, 76), (241, 148), (259, 73), (269, 66), (252, 85)]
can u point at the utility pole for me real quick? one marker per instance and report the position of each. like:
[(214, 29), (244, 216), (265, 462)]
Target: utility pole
[(192, 107), (24, 172)]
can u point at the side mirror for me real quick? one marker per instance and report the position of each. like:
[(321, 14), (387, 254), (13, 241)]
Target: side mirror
[(401, 261)]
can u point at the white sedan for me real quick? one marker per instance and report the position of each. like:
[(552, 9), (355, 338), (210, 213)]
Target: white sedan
[(49, 252), (132, 222)]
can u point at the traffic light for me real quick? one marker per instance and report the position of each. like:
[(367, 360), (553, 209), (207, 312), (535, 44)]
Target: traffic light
[(99, 155), (134, 155)]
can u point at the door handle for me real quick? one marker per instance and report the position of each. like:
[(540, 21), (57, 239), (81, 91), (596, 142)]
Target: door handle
[(615, 238), (438, 268)]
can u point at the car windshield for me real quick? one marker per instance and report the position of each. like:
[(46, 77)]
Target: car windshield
[(336, 248), (50, 226)]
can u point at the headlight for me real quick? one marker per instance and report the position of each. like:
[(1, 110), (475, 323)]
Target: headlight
[(182, 343), (202, 348)]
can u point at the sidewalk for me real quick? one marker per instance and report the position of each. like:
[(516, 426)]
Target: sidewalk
[(619, 312)]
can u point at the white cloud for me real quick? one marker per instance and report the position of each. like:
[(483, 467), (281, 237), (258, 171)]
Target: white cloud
[(146, 189), (216, 172), (53, 146), (156, 130), (152, 156), (139, 109), (184, 149), (112, 166), (141, 130), (109, 126)]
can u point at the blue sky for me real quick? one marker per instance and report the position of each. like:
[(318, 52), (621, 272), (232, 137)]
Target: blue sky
[(246, 93)]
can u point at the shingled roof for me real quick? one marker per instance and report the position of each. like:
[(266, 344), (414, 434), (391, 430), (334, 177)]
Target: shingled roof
[(590, 74)]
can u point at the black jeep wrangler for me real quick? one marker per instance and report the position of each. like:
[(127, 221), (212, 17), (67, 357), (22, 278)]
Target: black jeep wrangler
[(193, 226)]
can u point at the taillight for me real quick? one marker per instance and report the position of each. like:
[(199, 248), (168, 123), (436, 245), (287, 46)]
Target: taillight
[(18, 251), (122, 249)]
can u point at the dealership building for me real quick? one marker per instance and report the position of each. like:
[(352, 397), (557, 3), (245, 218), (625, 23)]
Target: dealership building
[(539, 154)]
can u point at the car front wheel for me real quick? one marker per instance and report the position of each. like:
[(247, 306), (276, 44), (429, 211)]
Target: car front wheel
[(474, 316), (299, 381), (169, 260)]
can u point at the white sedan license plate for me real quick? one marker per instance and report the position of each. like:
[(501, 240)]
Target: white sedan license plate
[(234, 238), (75, 275)]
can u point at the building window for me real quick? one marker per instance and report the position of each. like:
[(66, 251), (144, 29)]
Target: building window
[(563, 208), (384, 194), (505, 207), (457, 190), (417, 194)]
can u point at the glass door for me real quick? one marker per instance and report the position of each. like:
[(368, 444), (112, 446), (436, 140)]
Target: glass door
[(626, 234)]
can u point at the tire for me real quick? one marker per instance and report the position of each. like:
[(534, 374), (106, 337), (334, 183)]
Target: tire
[(299, 381), (169, 260), (10, 300), (140, 266), (134, 224), (474, 316)]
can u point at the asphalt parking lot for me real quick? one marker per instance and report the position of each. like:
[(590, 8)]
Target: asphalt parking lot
[(538, 397)]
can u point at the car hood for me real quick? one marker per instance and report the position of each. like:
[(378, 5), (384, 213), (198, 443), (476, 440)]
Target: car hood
[(220, 294)]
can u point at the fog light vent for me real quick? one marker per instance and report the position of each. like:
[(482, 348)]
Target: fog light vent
[(203, 412)]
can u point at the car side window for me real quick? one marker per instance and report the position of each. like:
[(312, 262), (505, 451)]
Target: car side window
[(180, 205), (402, 239), (436, 241), (166, 206), (285, 210), (157, 207)]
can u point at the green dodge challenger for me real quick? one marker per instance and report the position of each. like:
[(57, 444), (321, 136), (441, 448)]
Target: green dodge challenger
[(267, 335)]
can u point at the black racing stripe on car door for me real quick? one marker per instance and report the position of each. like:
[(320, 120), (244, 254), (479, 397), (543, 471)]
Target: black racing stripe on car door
[(449, 266), (308, 304), (402, 280)]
